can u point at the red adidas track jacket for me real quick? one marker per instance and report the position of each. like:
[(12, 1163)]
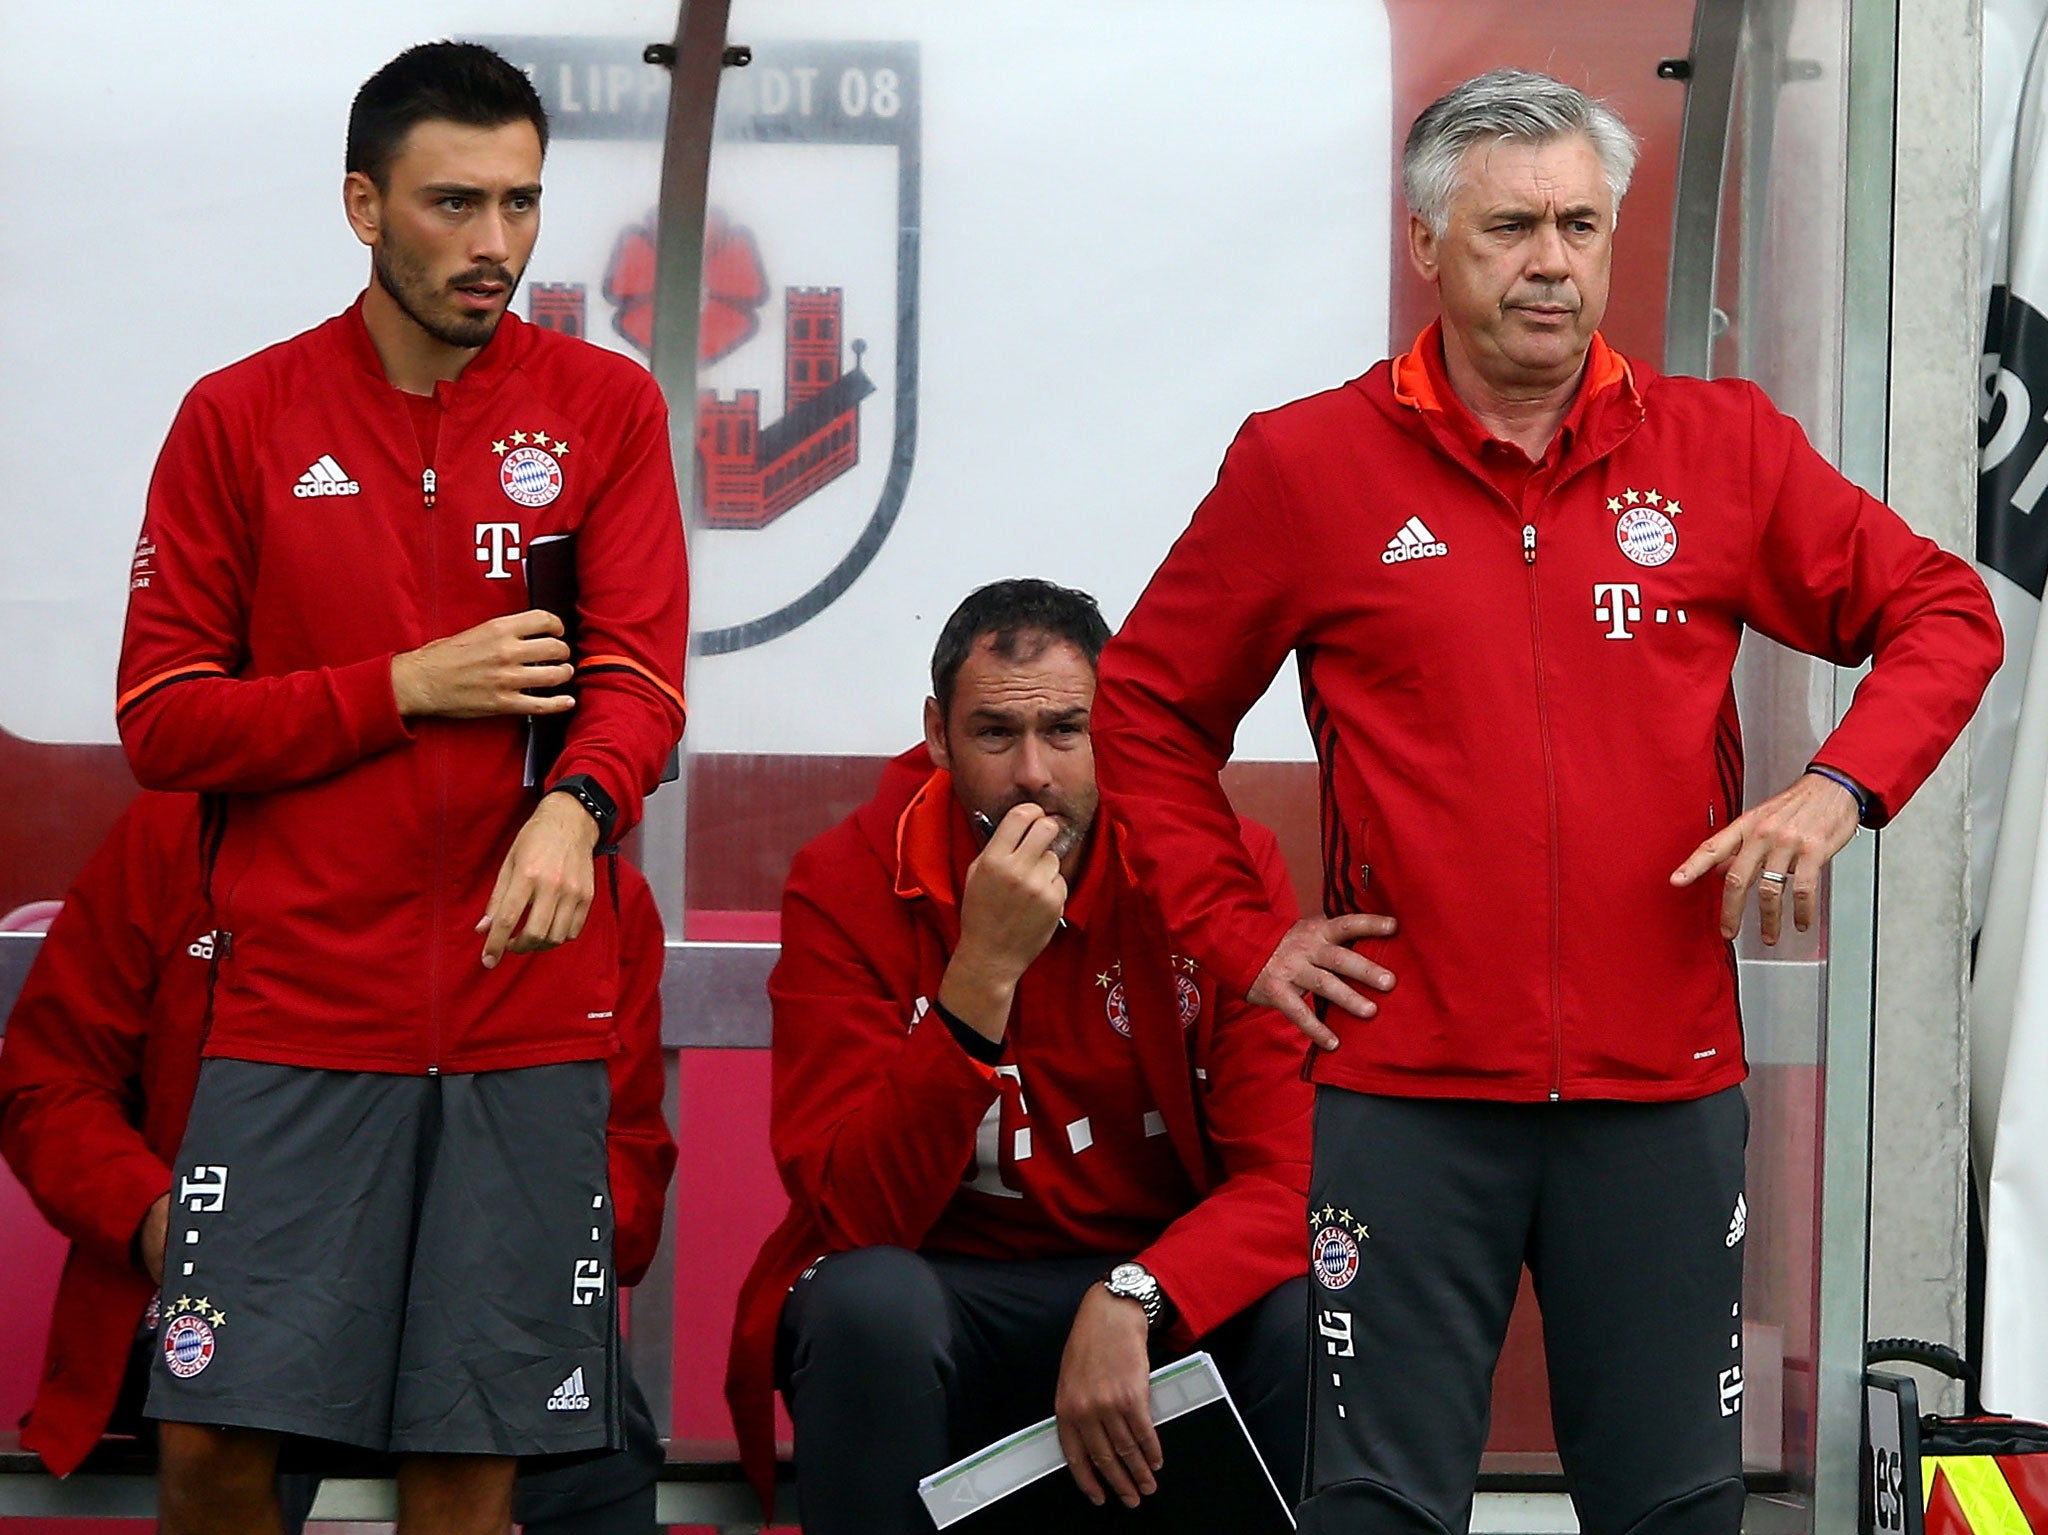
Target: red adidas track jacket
[(294, 542), (1521, 708), (875, 1112)]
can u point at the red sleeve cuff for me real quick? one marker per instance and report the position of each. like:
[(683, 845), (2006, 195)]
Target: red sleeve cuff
[(127, 1194), (369, 706), (1239, 955)]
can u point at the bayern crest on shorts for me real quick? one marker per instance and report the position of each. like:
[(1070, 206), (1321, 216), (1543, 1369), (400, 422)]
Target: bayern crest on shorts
[(188, 1346), (531, 476), (1333, 1257)]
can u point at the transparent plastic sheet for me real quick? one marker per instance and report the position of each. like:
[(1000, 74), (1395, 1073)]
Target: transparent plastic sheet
[(1072, 219), (1129, 227), (179, 175), (1053, 437)]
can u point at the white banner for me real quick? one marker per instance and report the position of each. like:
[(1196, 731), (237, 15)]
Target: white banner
[(1086, 241), (1063, 248), (2009, 1019)]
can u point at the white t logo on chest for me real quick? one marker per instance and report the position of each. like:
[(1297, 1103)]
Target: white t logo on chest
[(497, 542), (1615, 603)]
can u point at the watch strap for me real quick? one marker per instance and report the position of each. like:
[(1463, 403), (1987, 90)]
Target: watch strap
[(590, 794), (1145, 1292)]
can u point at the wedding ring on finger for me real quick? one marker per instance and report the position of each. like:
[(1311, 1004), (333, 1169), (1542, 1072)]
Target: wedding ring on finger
[(1775, 878)]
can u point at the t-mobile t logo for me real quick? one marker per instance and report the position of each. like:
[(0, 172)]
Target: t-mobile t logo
[(1335, 1326), (1618, 604), (1731, 1391), (986, 1173), (497, 542), (204, 1190)]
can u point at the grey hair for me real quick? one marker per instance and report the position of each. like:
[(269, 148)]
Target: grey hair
[(1519, 105)]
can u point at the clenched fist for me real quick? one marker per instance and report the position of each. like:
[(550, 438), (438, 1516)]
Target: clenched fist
[(1009, 910)]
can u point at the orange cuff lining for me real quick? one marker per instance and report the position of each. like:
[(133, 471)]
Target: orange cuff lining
[(591, 663), (175, 674)]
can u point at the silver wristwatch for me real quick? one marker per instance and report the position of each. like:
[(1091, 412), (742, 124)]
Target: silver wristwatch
[(1133, 1281)]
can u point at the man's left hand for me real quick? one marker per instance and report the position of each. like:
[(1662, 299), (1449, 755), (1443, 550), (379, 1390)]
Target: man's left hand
[(1781, 845), (548, 878), (1104, 1402), (153, 1236)]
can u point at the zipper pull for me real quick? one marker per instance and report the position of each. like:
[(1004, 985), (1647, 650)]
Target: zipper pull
[(1528, 542), (427, 489)]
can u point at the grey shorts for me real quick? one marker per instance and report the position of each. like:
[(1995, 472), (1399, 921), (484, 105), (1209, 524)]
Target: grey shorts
[(414, 1264)]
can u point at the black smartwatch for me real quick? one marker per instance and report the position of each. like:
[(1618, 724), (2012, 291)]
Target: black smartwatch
[(589, 793)]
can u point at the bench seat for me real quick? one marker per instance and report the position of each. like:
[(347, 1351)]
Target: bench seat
[(700, 1483)]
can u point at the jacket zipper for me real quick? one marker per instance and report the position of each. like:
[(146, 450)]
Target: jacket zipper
[(440, 757), (1550, 804)]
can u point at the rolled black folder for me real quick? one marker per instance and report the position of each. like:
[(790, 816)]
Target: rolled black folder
[(551, 584)]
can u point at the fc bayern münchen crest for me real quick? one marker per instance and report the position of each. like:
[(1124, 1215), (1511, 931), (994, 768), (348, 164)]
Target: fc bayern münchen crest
[(1189, 998), (1333, 1249), (1645, 533), (188, 1346), (531, 476), (1333, 1257), (1119, 1010), (1646, 536)]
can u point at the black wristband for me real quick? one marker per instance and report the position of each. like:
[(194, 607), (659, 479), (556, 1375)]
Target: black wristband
[(589, 793), (977, 1044)]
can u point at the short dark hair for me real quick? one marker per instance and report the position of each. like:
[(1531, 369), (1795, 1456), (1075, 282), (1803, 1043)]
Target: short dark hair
[(1013, 615), (464, 83)]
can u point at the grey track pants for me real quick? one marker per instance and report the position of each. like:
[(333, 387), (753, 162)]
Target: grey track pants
[(1630, 1221)]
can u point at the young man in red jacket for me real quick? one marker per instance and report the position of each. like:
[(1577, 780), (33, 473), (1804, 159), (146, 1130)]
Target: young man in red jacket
[(1028, 1144), (392, 1185), (1513, 568), (97, 1070)]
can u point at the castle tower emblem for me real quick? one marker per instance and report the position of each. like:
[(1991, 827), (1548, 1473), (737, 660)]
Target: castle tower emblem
[(753, 474)]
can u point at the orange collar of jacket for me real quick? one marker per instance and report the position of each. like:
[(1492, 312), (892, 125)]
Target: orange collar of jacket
[(1420, 385)]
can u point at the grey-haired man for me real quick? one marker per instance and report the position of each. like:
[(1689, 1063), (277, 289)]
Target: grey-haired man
[(1514, 568)]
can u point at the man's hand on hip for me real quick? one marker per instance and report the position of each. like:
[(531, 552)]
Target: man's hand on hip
[(1103, 1404), (151, 1236), (1784, 843), (1315, 957), (1009, 909), (548, 878), (486, 670)]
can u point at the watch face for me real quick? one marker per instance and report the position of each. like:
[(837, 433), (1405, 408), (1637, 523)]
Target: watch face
[(1128, 1276)]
